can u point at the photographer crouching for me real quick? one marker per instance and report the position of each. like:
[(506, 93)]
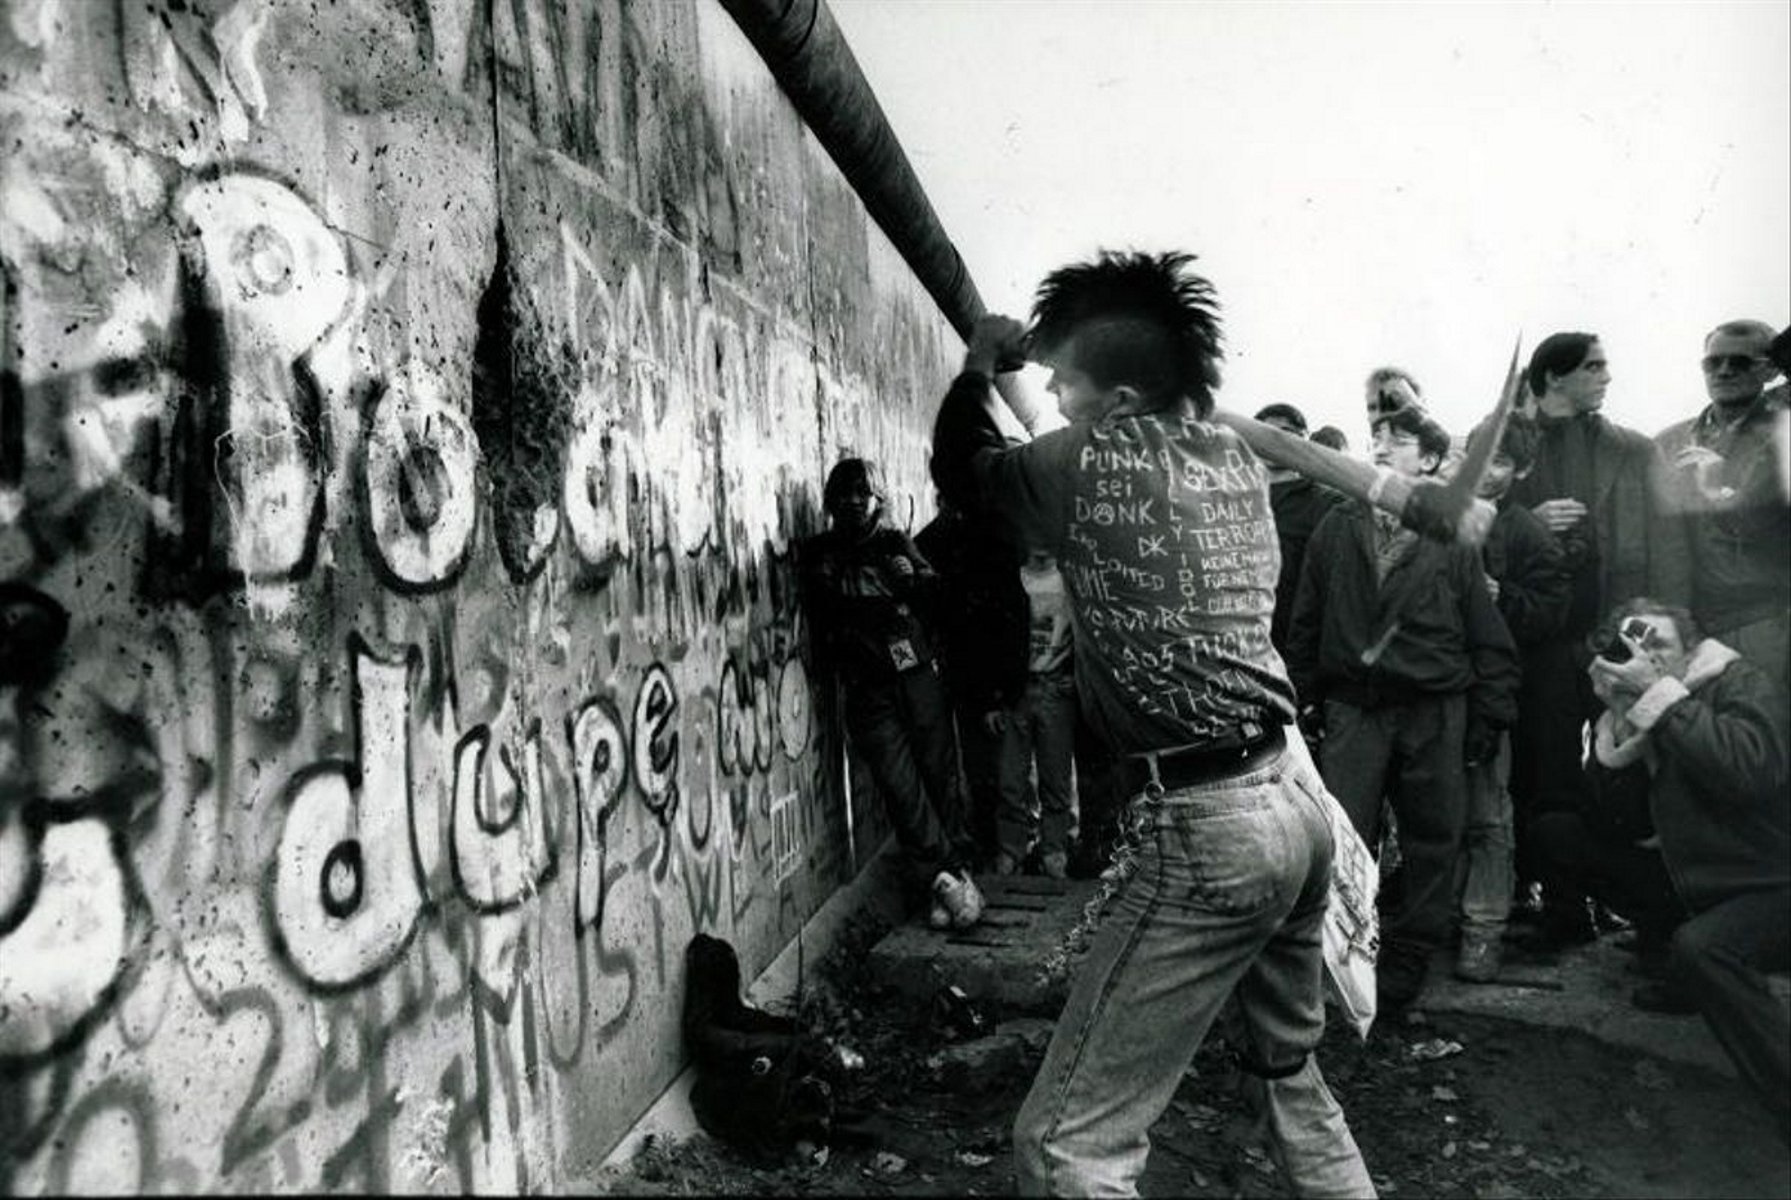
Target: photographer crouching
[(1711, 731)]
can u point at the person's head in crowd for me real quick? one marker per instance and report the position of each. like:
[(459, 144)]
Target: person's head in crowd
[(1512, 460), (1568, 374), (852, 497), (1667, 633), (1288, 420), (1331, 436), (1780, 351), (1409, 442), (1284, 417), (1389, 389), (1738, 362), (1127, 332)]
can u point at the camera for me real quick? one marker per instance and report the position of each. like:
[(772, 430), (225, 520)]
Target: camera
[(1609, 644)]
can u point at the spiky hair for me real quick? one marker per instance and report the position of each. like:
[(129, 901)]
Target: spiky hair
[(1137, 319)]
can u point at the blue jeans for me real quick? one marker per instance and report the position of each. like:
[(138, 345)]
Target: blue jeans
[(1485, 866), (1226, 894), (1041, 727), (901, 727)]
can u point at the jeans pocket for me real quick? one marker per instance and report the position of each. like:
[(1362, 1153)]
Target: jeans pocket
[(1235, 863)]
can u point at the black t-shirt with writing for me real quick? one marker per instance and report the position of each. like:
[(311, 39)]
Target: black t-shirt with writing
[(1161, 525)]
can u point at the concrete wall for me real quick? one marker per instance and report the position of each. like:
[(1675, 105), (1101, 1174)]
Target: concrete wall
[(432, 665)]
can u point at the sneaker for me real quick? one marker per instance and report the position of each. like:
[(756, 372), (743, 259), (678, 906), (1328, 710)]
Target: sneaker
[(1604, 920), (957, 894), (1006, 864), (1526, 904), (937, 917), (1669, 999), (1055, 864), (1477, 961)]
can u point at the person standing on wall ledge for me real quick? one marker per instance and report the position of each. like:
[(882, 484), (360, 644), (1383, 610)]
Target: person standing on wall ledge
[(1159, 519), (869, 592)]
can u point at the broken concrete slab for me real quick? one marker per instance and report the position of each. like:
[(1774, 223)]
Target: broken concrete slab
[(1026, 919)]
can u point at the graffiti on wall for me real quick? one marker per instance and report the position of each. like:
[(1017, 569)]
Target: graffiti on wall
[(399, 648)]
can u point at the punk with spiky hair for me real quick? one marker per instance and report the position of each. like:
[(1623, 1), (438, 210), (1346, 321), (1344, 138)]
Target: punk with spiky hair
[(1140, 320), (1158, 514)]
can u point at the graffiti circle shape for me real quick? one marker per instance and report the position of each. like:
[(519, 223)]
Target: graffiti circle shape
[(263, 259), (421, 459), (292, 280), (342, 879)]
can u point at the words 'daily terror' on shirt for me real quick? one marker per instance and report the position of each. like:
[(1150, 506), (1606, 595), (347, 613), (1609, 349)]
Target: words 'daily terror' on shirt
[(1162, 529)]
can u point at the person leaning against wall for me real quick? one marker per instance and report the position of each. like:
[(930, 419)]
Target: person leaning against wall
[(868, 592)]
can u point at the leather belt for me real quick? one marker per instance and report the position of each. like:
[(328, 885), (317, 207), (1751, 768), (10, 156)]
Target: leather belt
[(1186, 768)]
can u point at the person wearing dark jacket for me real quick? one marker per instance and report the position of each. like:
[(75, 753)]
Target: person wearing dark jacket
[(1710, 729), (1397, 643), (1527, 578), (983, 622), (1298, 505), (1596, 487), (868, 590)]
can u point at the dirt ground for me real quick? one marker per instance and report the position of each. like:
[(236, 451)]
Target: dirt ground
[(1446, 1106)]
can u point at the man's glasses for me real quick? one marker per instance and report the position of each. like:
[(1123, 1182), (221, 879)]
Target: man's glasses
[(1733, 362)]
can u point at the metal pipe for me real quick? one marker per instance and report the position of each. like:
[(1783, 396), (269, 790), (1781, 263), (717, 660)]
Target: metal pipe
[(808, 55)]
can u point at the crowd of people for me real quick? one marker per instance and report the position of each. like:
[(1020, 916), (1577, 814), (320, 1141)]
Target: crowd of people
[(1573, 727)]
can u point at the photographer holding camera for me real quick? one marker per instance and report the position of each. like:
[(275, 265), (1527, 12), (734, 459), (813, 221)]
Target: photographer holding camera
[(1710, 729)]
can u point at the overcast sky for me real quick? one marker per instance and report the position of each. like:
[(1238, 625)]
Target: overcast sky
[(1369, 183)]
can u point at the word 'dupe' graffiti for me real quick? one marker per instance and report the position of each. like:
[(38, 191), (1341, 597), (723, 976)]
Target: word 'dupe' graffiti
[(349, 881)]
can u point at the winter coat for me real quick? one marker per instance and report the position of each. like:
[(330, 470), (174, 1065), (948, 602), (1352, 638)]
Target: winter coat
[(1534, 587), (871, 621), (1714, 742), (982, 618), (1436, 627), (1636, 551), (1299, 505)]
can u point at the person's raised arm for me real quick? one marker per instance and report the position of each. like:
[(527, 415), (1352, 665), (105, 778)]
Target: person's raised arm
[(975, 465)]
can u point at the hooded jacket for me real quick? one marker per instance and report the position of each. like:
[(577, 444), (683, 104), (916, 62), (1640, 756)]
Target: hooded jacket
[(1714, 744)]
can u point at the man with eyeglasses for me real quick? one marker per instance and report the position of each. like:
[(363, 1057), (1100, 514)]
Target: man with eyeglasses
[(1724, 482), (1593, 486), (1406, 673)]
